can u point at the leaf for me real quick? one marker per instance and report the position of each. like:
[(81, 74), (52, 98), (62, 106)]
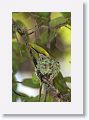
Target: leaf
[(52, 35), (58, 21), (14, 84), (66, 14), (55, 15), (67, 79), (17, 59), (43, 14), (15, 54), (29, 83), (23, 97), (36, 99), (34, 82), (35, 78), (39, 49), (43, 39), (46, 40), (14, 97), (32, 99), (51, 40), (49, 98), (65, 35), (14, 87), (24, 18), (60, 84)]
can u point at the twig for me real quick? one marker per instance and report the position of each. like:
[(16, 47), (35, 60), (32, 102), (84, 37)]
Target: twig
[(38, 25), (55, 27), (49, 27)]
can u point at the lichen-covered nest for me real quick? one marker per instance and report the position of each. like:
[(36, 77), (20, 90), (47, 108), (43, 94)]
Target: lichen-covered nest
[(48, 66)]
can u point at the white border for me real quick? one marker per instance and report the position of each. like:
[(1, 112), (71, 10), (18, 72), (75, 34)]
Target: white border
[(6, 104)]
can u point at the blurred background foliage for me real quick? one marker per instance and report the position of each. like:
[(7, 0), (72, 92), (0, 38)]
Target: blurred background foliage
[(51, 31)]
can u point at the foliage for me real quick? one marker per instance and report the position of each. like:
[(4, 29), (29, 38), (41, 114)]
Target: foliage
[(38, 42), (34, 82)]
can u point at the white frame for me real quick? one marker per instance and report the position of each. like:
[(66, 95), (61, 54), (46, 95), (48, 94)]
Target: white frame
[(6, 104)]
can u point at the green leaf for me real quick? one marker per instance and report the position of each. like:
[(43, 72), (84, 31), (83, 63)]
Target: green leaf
[(14, 97), (39, 49), (34, 82), (46, 39), (35, 79), (60, 84), (26, 98), (66, 14), (36, 99), (23, 97), (40, 17), (65, 35), (43, 39), (49, 98), (15, 54), (32, 99), (14, 84), (52, 35), (67, 79), (58, 21), (17, 59), (14, 87), (43, 14), (24, 17)]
